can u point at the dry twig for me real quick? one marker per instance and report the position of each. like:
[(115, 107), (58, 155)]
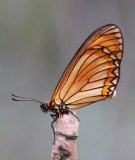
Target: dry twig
[(66, 133)]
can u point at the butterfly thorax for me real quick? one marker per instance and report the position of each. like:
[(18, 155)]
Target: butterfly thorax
[(55, 108)]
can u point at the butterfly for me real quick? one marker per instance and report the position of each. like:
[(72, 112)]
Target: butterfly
[(91, 76)]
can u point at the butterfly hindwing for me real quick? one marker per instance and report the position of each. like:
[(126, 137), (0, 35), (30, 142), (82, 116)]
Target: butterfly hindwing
[(93, 73)]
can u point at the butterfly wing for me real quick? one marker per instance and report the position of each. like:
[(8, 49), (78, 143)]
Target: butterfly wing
[(93, 73)]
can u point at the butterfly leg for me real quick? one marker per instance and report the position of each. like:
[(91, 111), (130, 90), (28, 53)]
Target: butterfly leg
[(74, 115), (55, 117), (63, 109)]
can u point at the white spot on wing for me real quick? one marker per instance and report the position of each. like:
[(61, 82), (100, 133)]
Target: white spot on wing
[(114, 94)]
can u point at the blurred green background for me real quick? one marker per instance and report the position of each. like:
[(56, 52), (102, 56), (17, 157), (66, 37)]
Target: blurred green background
[(37, 40)]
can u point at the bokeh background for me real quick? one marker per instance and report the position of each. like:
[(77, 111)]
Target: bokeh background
[(37, 40)]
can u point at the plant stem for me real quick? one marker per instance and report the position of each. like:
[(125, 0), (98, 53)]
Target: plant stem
[(66, 133)]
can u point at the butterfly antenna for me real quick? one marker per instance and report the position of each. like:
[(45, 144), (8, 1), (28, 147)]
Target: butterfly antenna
[(24, 99)]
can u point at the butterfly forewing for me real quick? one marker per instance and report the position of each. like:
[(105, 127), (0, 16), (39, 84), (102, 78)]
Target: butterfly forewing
[(93, 73)]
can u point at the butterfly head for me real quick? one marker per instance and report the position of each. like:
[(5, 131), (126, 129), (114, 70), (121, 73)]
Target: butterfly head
[(44, 107)]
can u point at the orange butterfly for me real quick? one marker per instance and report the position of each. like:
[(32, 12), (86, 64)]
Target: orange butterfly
[(92, 75)]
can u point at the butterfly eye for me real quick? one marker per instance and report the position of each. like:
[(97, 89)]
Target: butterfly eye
[(44, 107)]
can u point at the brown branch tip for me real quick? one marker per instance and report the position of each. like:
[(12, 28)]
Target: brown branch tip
[(66, 133)]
